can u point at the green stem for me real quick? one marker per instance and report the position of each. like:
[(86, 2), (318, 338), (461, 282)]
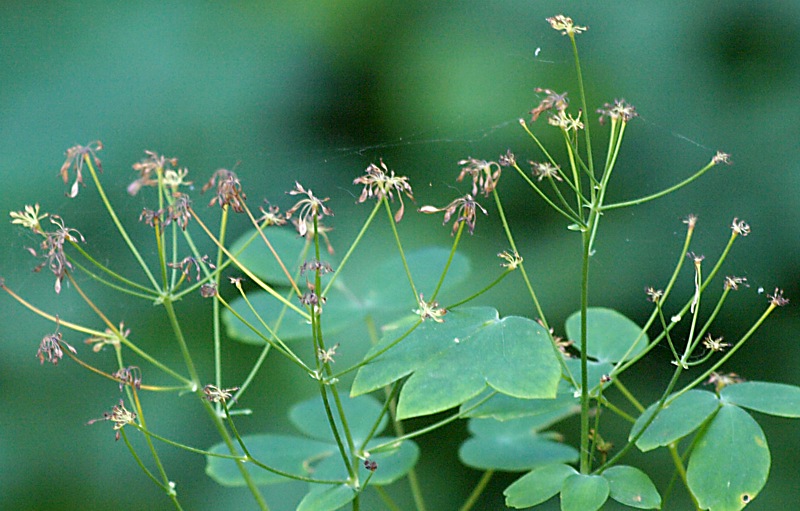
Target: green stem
[(660, 194), (352, 248), (477, 491)]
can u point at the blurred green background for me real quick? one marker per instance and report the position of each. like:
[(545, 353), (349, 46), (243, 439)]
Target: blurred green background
[(315, 91)]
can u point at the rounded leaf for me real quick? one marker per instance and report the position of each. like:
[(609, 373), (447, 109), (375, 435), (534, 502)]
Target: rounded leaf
[(610, 335), (730, 462), (537, 486), (771, 398), (679, 418), (584, 493), (326, 498), (632, 487)]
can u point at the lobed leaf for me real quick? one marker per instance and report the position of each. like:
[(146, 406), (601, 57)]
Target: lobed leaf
[(451, 362)]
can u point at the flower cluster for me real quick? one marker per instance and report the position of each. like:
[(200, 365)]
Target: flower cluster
[(77, 156), (380, 182), (229, 190), (484, 174)]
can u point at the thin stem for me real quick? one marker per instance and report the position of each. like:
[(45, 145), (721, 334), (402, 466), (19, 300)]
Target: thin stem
[(393, 224), (118, 224), (352, 248), (477, 491)]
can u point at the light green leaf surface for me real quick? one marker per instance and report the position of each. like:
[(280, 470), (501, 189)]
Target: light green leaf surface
[(584, 493), (632, 487), (730, 463), (327, 498), (259, 260), (610, 334), (512, 445), (537, 486), (317, 457), (380, 291), (771, 398), (451, 362), (682, 416)]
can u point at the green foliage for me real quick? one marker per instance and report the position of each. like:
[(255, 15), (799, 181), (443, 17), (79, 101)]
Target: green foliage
[(514, 377)]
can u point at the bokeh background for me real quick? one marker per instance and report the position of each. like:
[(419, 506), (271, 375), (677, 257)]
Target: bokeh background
[(315, 91)]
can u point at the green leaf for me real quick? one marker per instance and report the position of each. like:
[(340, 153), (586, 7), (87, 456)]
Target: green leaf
[(326, 498), (454, 361), (771, 398), (259, 260), (730, 462), (584, 493), (291, 454), (609, 334), (502, 407), (310, 418), (632, 487), (679, 418), (537, 486), (317, 457), (512, 445), (378, 291)]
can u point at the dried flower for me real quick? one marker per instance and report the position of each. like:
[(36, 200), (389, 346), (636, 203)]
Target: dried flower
[(119, 415), (216, 395), (513, 259), (429, 310), (552, 100), (565, 25), (187, 263), (53, 250), (485, 174), (734, 282), (380, 182), (721, 157), (715, 344), (271, 216), (148, 166), (314, 265), (76, 157), (208, 290), (545, 170), (130, 375), (50, 348), (653, 295), (110, 338), (777, 299), (508, 159), (740, 227), (309, 208), (229, 190), (326, 356), (566, 122), (618, 111), (466, 207), (691, 221), (720, 381), (29, 218), (371, 465)]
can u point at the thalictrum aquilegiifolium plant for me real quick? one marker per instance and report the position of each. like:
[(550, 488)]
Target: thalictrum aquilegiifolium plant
[(281, 286)]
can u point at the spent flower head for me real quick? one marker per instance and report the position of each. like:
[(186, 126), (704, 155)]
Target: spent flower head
[(565, 25), (720, 381), (29, 218), (466, 207), (545, 170), (50, 348), (566, 122), (508, 159), (721, 157), (52, 249), (149, 168), (229, 190), (484, 174), (76, 158), (552, 101), (617, 111), (777, 299), (653, 295), (130, 375), (740, 227), (119, 415), (429, 310), (216, 395), (513, 259), (307, 208), (734, 282), (271, 215), (380, 182), (715, 344)]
